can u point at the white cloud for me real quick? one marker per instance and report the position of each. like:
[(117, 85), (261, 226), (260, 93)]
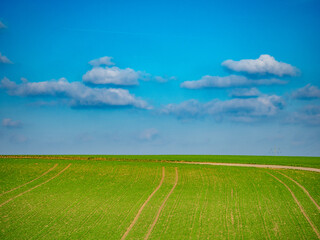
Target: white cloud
[(307, 92), (2, 25), (112, 75), (265, 64), (245, 92), (101, 61), (79, 95), (235, 109), (4, 59), (228, 81), (9, 123), (149, 134)]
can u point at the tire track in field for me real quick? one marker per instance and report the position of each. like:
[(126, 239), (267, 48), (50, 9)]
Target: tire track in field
[(19, 195), (175, 205), (305, 190), (162, 206), (143, 205), (45, 173), (300, 206)]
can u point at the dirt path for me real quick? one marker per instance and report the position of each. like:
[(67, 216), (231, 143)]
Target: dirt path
[(30, 181), (300, 206), (305, 190), (254, 165), (35, 186), (161, 207), (143, 205)]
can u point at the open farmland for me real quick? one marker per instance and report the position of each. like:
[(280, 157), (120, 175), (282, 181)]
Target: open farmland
[(73, 197)]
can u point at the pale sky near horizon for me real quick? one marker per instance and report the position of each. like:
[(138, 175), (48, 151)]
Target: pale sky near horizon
[(160, 77)]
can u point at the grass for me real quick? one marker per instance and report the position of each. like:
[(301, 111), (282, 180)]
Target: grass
[(100, 199), (272, 160)]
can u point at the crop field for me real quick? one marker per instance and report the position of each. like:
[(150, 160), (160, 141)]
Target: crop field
[(149, 197)]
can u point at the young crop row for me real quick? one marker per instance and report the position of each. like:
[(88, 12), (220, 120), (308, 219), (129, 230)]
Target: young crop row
[(66, 199)]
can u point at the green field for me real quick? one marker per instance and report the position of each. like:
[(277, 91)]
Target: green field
[(128, 197), (273, 160)]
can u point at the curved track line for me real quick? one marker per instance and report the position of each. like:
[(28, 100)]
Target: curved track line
[(305, 190), (254, 165), (35, 186), (30, 181), (160, 209), (300, 206), (143, 205)]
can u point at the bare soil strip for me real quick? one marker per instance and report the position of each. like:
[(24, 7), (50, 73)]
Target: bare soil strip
[(300, 206), (254, 165), (161, 207), (143, 205), (305, 190), (31, 180), (35, 186)]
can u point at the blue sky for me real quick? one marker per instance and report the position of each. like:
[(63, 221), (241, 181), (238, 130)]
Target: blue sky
[(160, 77)]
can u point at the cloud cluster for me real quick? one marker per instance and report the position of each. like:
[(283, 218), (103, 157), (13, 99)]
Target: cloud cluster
[(99, 75), (112, 75), (4, 59), (307, 92), (245, 92), (235, 109), (78, 94), (9, 123), (102, 61), (228, 82), (265, 64)]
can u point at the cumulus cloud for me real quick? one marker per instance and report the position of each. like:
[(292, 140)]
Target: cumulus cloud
[(307, 92), (245, 92), (149, 134), (78, 94), (265, 64), (112, 75), (235, 109), (228, 81), (2, 25), (101, 61), (9, 123), (4, 59)]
